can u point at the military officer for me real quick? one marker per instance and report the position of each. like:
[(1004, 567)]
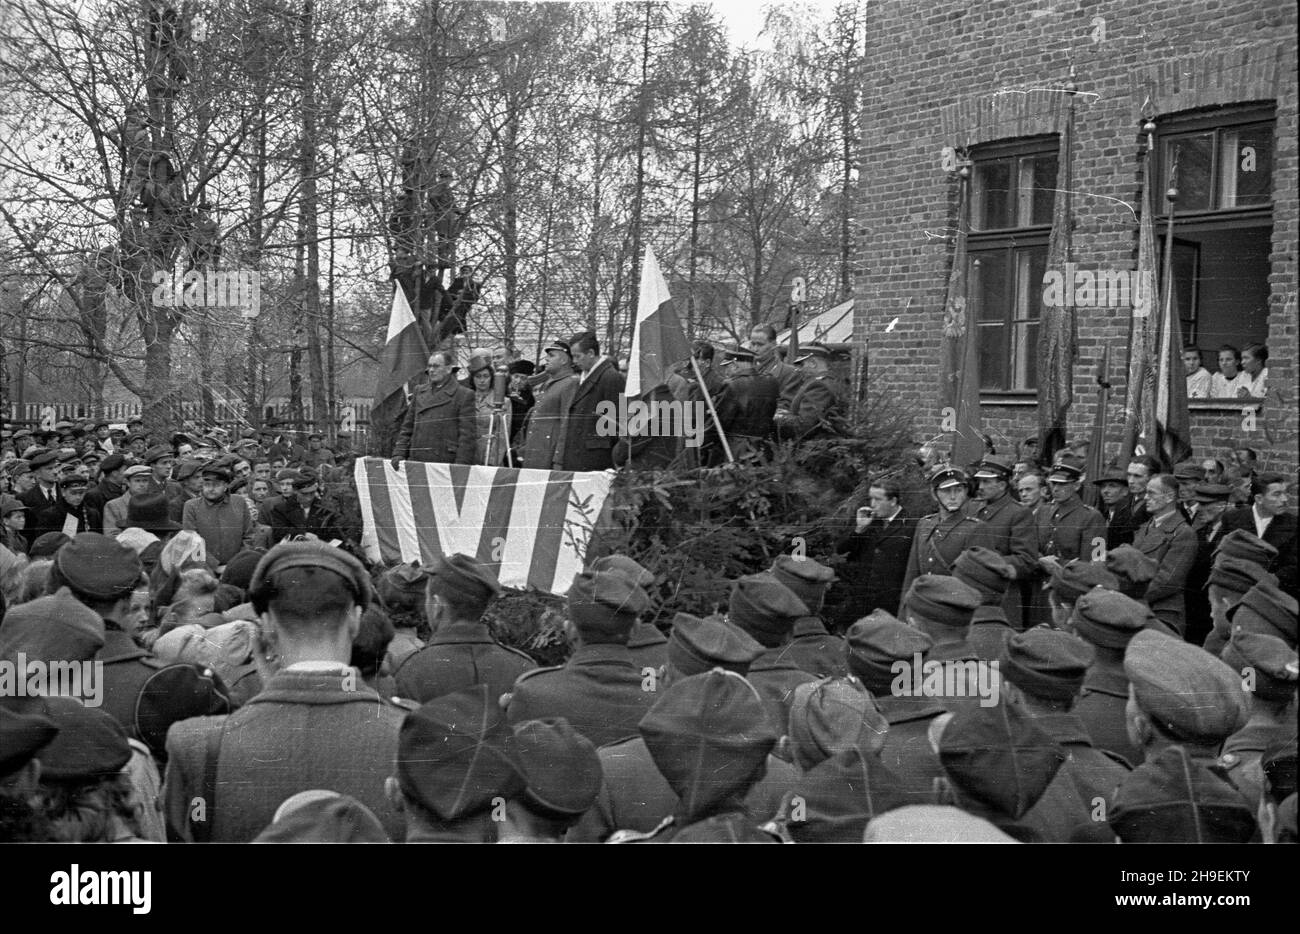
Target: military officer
[(1067, 530), (461, 652), (813, 649), (1270, 667), (767, 609), (943, 535), (646, 644), (749, 404), (1008, 528), (599, 690), (814, 411), (1268, 610)]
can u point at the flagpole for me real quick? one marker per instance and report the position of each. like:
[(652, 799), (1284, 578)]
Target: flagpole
[(1167, 312), (708, 400)]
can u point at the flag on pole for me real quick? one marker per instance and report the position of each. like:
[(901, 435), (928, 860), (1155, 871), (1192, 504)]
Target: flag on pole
[(405, 352), (959, 370), (531, 527), (1057, 338), (1172, 420), (658, 340), (1139, 393)]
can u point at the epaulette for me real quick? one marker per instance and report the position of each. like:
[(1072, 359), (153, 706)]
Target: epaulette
[(404, 703), (536, 671), (1110, 754), (637, 836)]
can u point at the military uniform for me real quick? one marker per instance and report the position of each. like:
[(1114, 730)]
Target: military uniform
[(940, 538), (907, 751), (747, 409), (1009, 530), (458, 656), (648, 646), (815, 650), (1100, 709), (1070, 530)]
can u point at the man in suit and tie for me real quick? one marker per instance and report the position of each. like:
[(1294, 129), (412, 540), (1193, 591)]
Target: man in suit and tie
[(585, 448), (44, 496), (877, 551), (1267, 517)]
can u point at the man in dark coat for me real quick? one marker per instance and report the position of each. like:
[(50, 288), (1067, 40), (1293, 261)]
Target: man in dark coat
[(44, 495), (815, 410), (304, 513), (112, 484), (461, 653), (1107, 620), (1267, 517), (552, 392), (1168, 540), (1008, 529), (69, 513), (439, 426), (1116, 508), (748, 405), (812, 648), (586, 446), (767, 609), (877, 550)]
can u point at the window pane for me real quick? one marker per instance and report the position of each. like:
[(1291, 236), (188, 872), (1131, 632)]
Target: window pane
[(1195, 170), (1024, 353), (992, 195), (992, 356), (988, 285), (1031, 265), (1045, 169), (1246, 158)]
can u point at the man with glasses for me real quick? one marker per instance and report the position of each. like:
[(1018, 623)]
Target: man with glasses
[(439, 426), (1167, 538)]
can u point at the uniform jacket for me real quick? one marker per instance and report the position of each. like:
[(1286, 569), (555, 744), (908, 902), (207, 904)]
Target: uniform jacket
[(439, 426), (460, 655), (1242, 756), (788, 376), (872, 578), (815, 650), (989, 631), (938, 541), (1087, 777), (227, 526), (600, 691), (907, 751), (1100, 708), (775, 674), (306, 729), (1010, 531), (812, 413), (286, 518), (545, 431), (746, 409), (1067, 530), (584, 449), (1172, 545)]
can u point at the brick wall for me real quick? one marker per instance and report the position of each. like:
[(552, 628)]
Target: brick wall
[(961, 74)]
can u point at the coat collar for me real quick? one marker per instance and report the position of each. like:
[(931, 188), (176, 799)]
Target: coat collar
[(316, 687), (906, 708), (1103, 678), (461, 633), (119, 647), (600, 654), (1066, 728)]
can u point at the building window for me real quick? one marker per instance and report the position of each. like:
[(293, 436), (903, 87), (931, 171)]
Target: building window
[(1012, 192), (1223, 224)]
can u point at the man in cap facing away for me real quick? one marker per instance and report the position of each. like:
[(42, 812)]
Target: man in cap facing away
[(1269, 667), (989, 573), (562, 773), (1107, 620), (942, 607), (645, 643), (767, 610), (315, 724), (461, 651), (813, 648)]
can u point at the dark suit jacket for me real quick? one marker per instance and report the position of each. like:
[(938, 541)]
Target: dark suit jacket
[(286, 518), (1120, 524), (584, 449), (872, 578), (34, 499), (1281, 534), (458, 656), (439, 426)]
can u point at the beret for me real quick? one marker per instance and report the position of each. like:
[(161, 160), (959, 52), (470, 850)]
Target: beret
[(560, 766), (1073, 580), (157, 453), (1186, 691), (1000, 757), (1266, 661), (43, 459), (90, 744), (460, 577), (605, 602), (138, 470), (1242, 544), (316, 555), (984, 569), (455, 754), (941, 599), (765, 608), (1237, 575), (185, 469), (841, 795), (995, 467), (1175, 797), (97, 566), (945, 475), (47, 545), (875, 642), (1046, 663), (239, 569), (709, 735), (624, 565), (697, 645), (1134, 569), (1108, 619), (22, 735), (806, 578), (319, 816), (1266, 609), (831, 716)]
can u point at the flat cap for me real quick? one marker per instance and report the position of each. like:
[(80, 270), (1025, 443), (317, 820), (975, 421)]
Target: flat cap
[(876, 641), (1071, 581), (459, 578), (18, 468), (1237, 575), (1046, 663), (1186, 691), (137, 470), (306, 479), (621, 564), (764, 607), (560, 766), (831, 716), (841, 795), (605, 602), (995, 467), (1176, 798), (945, 475), (807, 579), (1189, 471), (1246, 545), (1000, 757), (698, 645), (1264, 661), (286, 473), (1212, 492), (456, 753), (157, 453), (23, 733), (185, 469), (1112, 475), (72, 481), (97, 566), (1107, 618), (984, 569), (217, 468), (90, 744), (314, 555), (942, 599), (43, 459), (1267, 609), (1134, 569)]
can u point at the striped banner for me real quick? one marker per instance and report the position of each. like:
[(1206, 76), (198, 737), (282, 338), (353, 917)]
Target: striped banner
[(531, 527)]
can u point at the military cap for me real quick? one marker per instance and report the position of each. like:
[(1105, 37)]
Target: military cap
[(92, 455), (999, 757), (319, 816), (605, 602), (456, 754), (1247, 545), (57, 627), (807, 579), (1134, 569), (736, 352), (841, 795), (136, 436), (875, 642), (560, 766), (831, 716), (10, 504), (179, 438), (1186, 691), (1064, 473), (97, 566), (808, 351), (1071, 581), (765, 608), (1266, 609), (995, 467), (90, 744), (1267, 660), (112, 462), (621, 564), (216, 469), (1112, 475), (402, 584), (1107, 618), (317, 556), (1174, 797), (157, 453), (137, 470), (117, 434), (186, 469), (1046, 662), (1212, 492), (47, 545), (698, 645), (72, 480), (1237, 575), (984, 569), (461, 579), (943, 476), (23, 733), (559, 345), (315, 434), (942, 599), (43, 459), (708, 735)]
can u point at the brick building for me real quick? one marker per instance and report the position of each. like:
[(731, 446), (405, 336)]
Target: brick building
[(987, 80)]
